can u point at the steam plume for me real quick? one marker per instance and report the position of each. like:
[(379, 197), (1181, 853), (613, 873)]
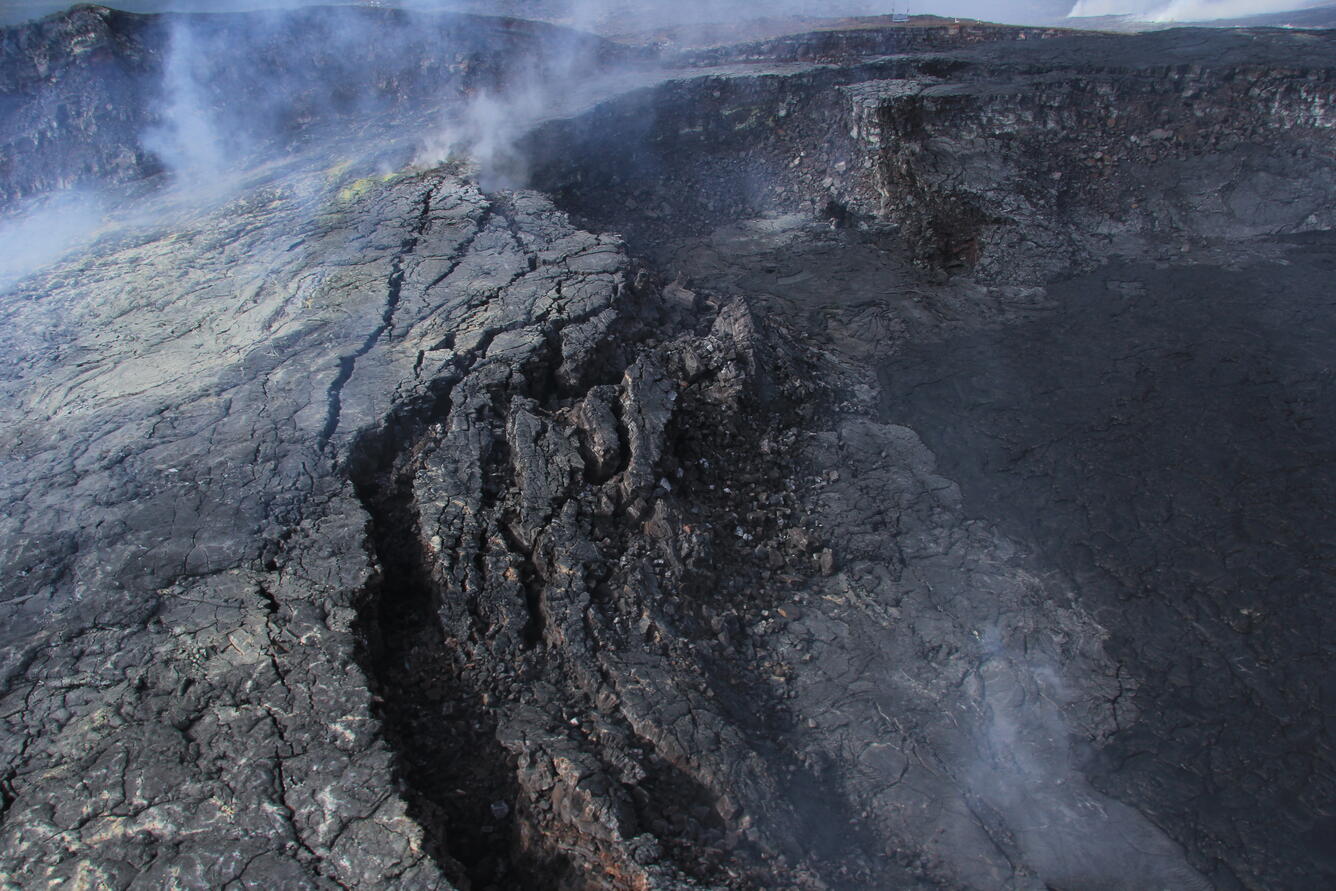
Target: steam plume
[(187, 140), (45, 231)]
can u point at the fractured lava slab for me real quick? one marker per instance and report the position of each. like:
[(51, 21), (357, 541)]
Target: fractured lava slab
[(186, 565)]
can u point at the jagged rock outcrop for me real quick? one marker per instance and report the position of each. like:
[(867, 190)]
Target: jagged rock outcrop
[(750, 504)]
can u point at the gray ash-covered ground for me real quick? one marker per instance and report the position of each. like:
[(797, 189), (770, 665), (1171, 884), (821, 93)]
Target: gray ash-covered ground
[(882, 458), (1161, 438)]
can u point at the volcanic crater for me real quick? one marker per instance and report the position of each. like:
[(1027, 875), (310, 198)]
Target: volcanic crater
[(883, 455)]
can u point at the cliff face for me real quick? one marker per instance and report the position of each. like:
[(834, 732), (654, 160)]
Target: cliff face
[(1011, 166), (96, 96), (835, 469), (77, 89), (1045, 173)]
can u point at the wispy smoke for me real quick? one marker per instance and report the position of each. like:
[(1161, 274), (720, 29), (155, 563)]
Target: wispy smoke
[(241, 89), (486, 131), (237, 90), (187, 139), (45, 231), (485, 124), (1028, 793)]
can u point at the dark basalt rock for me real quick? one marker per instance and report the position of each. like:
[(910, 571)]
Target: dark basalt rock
[(834, 471)]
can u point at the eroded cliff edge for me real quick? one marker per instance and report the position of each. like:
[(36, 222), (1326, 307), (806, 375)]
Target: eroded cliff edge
[(859, 519)]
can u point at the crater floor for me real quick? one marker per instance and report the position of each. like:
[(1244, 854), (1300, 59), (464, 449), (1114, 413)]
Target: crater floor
[(870, 458)]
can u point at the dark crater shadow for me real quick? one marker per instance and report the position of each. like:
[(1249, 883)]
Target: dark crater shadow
[(1167, 439), (1163, 438), (447, 759)]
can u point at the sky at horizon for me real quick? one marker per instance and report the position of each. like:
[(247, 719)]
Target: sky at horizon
[(698, 11)]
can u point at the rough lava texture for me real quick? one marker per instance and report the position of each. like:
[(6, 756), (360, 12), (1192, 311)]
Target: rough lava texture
[(891, 458)]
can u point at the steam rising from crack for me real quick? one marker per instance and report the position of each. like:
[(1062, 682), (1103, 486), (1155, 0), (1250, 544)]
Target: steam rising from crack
[(485, 131), (1026, 792), (188, 139)]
